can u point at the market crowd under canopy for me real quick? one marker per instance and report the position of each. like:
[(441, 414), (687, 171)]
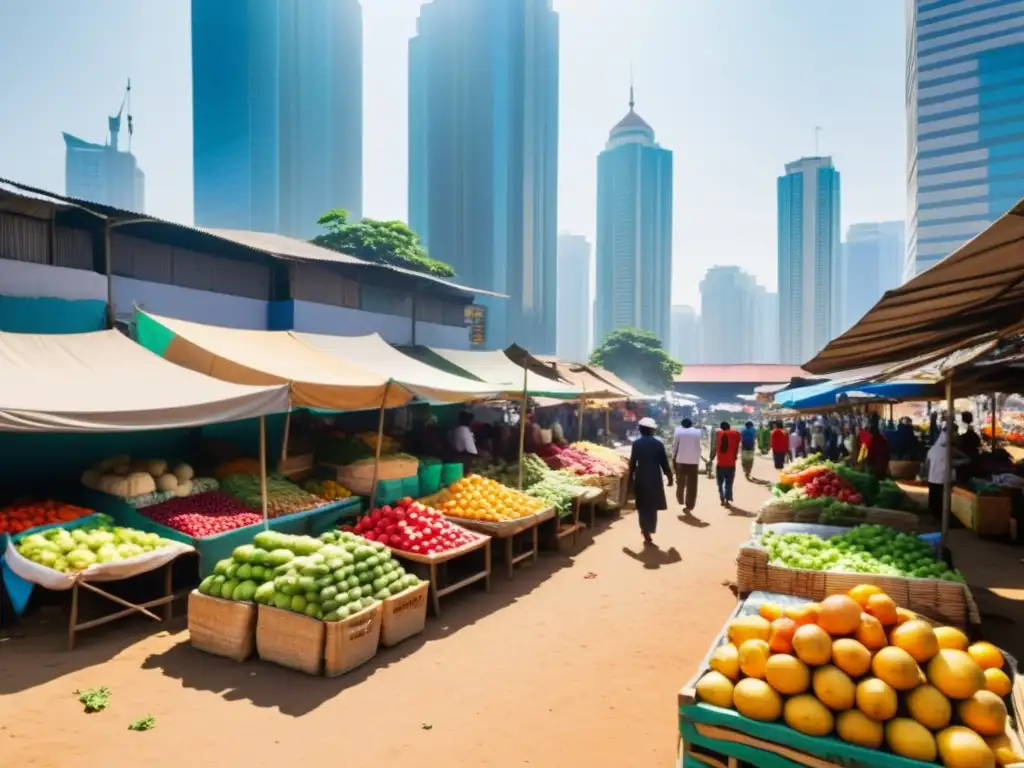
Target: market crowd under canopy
[(104, 382), (326, 372)]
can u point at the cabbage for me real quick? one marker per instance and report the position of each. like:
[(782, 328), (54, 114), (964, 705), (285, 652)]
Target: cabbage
[(80, 559)]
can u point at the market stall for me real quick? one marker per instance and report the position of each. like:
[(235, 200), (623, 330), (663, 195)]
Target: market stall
[(96, 383)]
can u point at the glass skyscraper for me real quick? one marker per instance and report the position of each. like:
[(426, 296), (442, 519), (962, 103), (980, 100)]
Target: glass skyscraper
[(634, 231), (483, 155), (871, 264), (808, 207), (574, 304), (277, 100), (965, 122)]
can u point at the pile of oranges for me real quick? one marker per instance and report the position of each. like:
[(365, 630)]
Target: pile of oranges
[(23, 515), (480, 498)]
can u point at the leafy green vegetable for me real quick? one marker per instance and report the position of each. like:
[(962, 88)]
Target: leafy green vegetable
[(146, 723), (95, 699)]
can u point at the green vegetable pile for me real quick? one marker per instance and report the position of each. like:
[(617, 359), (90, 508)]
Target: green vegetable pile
[(535, 471), (875, 549), (283, 496), (94, 543), (94, 699), (804, 463), (329, 578), (557, 493), (981, 488), (890, 495)]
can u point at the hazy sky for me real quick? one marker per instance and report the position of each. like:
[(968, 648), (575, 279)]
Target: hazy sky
[(733, 87)]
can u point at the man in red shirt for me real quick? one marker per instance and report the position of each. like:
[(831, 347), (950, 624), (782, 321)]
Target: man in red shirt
[(728, 447), (779, 445)]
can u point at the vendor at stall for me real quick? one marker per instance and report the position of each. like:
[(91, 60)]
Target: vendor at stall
[(969, 442), (464, 441)]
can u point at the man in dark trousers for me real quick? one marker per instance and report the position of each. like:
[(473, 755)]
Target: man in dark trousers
[(647, 463)]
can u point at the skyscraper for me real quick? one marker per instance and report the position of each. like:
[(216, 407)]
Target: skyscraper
[(483, 155), (686, 340), (277, 112), (808, 207), (634, 230), (729, 314), (965, 122), (871, 264), (766, 326), (574, 304)]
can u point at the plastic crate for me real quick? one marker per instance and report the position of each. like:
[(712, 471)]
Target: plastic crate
[(450, 473), (411, 486), (429, 477)]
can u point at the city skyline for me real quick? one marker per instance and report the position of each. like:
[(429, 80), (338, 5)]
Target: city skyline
[(871, 263), (964, 122), (862, 128), (574, 312), (277, 119), (634, 230)]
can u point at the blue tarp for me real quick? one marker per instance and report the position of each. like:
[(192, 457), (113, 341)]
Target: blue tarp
[(824, 395)]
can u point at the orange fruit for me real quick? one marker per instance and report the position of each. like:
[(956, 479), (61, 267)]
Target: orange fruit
[(870, 633), (997, 681), (803, 614), (851, 657), (781, 638), (883, 608), (770, 611), (986, 655), (917, 638), (862, 592), (812, 645), (839, 615)]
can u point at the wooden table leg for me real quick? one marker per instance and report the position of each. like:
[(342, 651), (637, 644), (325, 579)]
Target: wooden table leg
[(487, 566), (508, 555), (168, 589), (536, 542), (73, 619), (433, 589)]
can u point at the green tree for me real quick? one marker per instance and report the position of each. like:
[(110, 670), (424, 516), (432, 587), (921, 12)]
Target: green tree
[(637, 356), (383, 242)]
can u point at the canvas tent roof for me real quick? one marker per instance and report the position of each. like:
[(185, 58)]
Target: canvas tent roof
[(974, 294), (495, 368), (104, 382), (374, 354), (829, 394), (317, 379), (591, 378)]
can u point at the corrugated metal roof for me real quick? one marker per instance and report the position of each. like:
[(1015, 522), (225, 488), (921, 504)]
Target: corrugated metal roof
[(40, 203), (740, 373)]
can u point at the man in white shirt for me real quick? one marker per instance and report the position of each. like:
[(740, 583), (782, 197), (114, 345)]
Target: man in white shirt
[(686, 459), (462, 436)]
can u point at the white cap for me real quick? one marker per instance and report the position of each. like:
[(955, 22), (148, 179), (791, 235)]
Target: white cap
[(648, 422)]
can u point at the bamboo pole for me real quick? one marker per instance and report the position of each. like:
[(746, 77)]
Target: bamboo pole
[(579, 431), (522, 422), (263, 471), (947, 483), (380, 443), (287, 432)]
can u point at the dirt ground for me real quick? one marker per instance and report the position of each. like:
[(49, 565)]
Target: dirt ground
[(576, 661)]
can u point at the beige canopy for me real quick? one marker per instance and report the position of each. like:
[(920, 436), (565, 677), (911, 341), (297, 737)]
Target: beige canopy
[(374, 354), (970, 297), (103, 382), (589, 380), (317, 379)]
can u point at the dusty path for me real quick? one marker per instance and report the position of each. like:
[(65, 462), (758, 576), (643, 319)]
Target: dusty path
[(551, 669)]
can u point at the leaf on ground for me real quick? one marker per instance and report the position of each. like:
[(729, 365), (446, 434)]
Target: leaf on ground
[(95, 699), (143, 724)]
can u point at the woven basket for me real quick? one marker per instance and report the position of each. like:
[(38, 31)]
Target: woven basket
[(358, 478), (404, 615), (352, 641), (904, 470), (290, 640), (507, 528), (948, 602), (222, 627)]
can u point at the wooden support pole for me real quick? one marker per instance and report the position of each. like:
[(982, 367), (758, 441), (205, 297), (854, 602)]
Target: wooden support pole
[(263, 471), (947, 485), (522, 422), (287, 434), (579, 431), (380, 443)]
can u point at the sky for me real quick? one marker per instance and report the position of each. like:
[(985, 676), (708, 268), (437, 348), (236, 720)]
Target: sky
[(734, 88)]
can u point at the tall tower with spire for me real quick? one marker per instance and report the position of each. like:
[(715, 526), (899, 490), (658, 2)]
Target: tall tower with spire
[(634, 230)]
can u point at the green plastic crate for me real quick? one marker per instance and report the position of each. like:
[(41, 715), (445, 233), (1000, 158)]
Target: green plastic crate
[(411, 487), (430, 478), (389, 491), (450, 473)]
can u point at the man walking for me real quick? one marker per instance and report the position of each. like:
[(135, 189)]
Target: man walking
[(686, 458), (748, 443), (728, 446)]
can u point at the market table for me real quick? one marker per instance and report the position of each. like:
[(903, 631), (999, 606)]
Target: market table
[(589, 501), (436, 569), (510, 533)]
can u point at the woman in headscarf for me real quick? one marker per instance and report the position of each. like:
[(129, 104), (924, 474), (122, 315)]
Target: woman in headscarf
[(647, 463)]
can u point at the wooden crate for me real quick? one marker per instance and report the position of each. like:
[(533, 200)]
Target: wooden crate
[(948, 602), (222, 627), (985, 515), (290, 640), (352, 641), (782, 513), (404, 615)]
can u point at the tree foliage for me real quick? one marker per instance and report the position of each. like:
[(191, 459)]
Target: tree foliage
[(637, 356), (383, 242)]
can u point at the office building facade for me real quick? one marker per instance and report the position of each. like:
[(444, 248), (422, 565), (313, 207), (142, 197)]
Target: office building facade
[(685, 346), (277, 95), (872, 263), (102, 173), (574, 301), (808, 254), (965, 122), (634, 230), (483, 155), (729, 313), (766, 326)]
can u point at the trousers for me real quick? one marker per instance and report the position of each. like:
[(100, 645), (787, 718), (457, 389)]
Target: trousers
[(686, 485), (725, 477)]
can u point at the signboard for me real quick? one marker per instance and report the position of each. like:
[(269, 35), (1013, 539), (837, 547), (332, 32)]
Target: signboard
[(476, 322)]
